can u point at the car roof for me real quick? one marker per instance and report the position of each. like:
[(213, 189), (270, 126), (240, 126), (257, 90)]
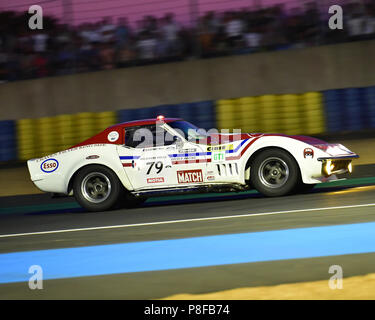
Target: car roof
[(102, 137), (143, 122)]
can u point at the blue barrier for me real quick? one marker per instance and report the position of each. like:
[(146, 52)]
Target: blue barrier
[(205, 114), (369, 99), (334, 110), (127, 115), (8, 142), (353, 109)]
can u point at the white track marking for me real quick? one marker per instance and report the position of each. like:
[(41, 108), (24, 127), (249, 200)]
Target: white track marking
[(185, 220)]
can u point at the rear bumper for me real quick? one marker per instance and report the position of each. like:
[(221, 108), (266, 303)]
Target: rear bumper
[(46, 182)]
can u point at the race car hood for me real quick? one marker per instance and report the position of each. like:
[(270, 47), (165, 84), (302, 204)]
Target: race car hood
[(225, 138), (331, 149)]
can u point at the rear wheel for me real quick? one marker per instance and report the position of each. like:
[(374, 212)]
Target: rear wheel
[(274, 172), (97, 188)]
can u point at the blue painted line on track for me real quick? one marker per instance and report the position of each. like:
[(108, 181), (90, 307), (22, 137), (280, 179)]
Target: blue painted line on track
[(191, 252)]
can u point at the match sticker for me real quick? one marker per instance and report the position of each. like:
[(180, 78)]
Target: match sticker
[(189, 176)]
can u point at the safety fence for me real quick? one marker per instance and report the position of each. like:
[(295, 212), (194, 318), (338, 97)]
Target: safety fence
[(310, 113)]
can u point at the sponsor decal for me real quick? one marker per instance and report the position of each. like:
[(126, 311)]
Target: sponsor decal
[(154, 158), (113, 136), (71, 150), (155, 180), (220, 148), (187, 150), (218, 156), (210, 178), (94, 156), (49, 165), (308, 153), (189, 176)]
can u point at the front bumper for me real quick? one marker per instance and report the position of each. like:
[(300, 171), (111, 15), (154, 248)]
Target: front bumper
[(337, 165)]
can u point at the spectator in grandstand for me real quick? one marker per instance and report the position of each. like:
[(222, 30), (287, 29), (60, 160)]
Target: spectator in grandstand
[(122, 33), (107, 30), (146, 46), (234, 29), (169, 32), (61, 49), (370, 21), (356, 23)]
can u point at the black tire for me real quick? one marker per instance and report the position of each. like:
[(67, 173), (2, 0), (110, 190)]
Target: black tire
[(97, 188), (274, 172), (131, 201), (304, 188)]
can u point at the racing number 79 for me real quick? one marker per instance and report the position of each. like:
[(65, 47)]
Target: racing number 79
[(158, 167)]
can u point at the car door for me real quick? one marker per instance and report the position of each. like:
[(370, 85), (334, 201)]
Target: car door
[(189, 163), (145, 161), (152, 160)]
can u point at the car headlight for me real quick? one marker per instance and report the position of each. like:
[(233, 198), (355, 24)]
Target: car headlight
[(329, 166), (350, 167)]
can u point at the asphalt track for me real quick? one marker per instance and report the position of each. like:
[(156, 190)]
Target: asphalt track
[(37, 222)]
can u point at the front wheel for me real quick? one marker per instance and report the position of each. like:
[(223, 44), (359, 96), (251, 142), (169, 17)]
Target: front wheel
[(274, 172), (97, 188)]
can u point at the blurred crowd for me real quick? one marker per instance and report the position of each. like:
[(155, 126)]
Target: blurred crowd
[(60, 49)]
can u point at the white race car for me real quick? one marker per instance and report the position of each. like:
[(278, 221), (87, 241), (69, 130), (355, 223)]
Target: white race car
[(131, 161)]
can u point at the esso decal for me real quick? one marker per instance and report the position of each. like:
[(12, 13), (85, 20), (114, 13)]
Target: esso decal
[(113, 136), (49, 165)]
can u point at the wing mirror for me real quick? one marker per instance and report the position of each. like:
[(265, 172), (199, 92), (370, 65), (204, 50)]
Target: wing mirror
[(178, 141)]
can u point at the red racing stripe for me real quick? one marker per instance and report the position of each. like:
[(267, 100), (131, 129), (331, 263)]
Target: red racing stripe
[(126, 164), (243, 151), (191, 161)]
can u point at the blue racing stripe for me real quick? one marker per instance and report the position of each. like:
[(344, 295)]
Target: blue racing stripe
[(129, 157), (196, 154), (206, 153), (191, 252), (238, 147)]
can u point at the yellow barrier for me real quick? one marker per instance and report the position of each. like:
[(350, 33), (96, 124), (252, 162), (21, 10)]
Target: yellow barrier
[(288, 113), (313, 113), (248, 115), (291, 116), (26, 139), (225, 114)]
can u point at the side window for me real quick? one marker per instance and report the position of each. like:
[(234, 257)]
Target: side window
[(169, 138), (147, 136), (129, 134)]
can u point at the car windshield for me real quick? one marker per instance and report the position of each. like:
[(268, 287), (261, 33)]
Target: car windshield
[(188, 130)]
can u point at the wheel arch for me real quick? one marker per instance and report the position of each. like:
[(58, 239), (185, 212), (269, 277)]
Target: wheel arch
[(260, 150)]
